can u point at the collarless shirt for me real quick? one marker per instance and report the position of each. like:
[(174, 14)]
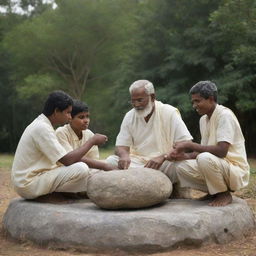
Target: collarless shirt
[(38, 151)]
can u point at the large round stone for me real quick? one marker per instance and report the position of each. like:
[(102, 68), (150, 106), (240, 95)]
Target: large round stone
[(82, 225), (132, 188)]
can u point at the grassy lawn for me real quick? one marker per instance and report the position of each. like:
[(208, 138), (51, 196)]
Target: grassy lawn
[(6, 160), (105, 152)]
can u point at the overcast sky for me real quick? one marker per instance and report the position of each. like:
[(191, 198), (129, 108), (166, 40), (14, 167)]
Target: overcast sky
[(17, 9)]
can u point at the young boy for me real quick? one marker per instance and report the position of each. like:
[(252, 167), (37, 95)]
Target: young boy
[(71, 136)]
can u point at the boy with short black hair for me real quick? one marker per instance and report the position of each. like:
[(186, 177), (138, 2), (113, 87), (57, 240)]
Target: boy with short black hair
[(76, 133)]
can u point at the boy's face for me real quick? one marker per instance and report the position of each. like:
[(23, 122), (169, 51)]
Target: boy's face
[(201, 105), (80, 121)]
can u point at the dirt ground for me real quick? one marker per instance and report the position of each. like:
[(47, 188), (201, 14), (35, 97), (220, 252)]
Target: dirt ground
[(243, 247)]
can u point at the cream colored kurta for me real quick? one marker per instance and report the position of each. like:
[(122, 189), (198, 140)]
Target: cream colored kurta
[(36, 170), (224, 126), (38, 151), (155, 137), (208, 172), (70, 141)]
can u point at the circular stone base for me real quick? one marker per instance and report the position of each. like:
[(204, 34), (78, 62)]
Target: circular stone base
[(82, 225)]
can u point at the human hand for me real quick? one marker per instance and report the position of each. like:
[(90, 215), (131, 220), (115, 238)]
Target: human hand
[(99, 139), (180, 147), (156, 162), (176, 156), (124, 162)]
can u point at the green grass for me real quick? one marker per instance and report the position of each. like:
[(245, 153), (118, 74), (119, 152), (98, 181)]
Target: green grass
[(252, 163), (105, 152), (6, 160)]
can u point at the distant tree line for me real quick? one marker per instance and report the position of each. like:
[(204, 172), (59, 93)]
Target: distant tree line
[(94, 49)]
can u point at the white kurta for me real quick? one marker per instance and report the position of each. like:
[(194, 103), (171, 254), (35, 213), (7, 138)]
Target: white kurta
[(213, 174), (70, 141), (224, 126), (155, 137), (36, 170)]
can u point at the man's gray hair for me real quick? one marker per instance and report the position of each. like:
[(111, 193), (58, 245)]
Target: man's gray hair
[(205, 89), (147, 85)]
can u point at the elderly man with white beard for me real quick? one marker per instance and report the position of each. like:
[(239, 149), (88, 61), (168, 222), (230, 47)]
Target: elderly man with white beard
[(148, 132)]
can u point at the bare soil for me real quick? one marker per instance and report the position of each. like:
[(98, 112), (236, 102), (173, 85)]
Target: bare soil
[(243, 247)]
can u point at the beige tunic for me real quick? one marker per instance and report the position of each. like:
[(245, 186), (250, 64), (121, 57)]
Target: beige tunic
[(208, 172), (36, 170), (224, 126), (69, 140), (38, 151)]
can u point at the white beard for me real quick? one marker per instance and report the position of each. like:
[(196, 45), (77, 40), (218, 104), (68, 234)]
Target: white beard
[(146, 111)]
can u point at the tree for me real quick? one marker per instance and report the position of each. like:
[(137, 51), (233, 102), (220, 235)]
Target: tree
[(181, 42), (174, 50), (233, 25), (76, 42), (26, 7), (8, 134)]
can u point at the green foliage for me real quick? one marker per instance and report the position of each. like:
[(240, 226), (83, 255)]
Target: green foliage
[(182, 42), (26, 7), (94, 49), (37, 85), (77, 42), (6, 161)]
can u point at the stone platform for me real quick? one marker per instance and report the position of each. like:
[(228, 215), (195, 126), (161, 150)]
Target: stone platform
[(81, 224)]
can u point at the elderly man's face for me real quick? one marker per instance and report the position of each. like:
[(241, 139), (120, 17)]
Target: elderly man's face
[(139, 99), (142, 102)]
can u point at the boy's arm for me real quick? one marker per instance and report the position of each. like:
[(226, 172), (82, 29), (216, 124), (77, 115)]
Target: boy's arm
[(97, 164), (77, 154)]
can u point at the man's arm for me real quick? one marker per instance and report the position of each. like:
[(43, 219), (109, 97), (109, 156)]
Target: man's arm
[(77, 154), (219, 150), (124, 156), (156, 162)]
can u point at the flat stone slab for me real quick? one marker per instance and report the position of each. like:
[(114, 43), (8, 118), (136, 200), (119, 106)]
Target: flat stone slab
[(82, 225)]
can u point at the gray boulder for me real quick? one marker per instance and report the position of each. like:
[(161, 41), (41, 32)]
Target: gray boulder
[(132, 188)]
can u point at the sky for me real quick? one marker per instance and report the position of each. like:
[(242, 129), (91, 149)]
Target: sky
[(17, 9)]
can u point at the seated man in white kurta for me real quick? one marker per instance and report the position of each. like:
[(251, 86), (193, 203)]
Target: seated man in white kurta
[(220, 164), (73, 135), (148, 132), (41, 164)]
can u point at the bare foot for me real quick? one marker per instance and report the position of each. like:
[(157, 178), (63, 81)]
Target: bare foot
[(221, 199)]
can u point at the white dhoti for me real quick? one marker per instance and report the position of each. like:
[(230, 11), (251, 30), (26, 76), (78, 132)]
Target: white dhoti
[(71, 178), (207, 173)]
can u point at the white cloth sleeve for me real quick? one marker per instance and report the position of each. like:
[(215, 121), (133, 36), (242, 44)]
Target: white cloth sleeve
[(47, 142)]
